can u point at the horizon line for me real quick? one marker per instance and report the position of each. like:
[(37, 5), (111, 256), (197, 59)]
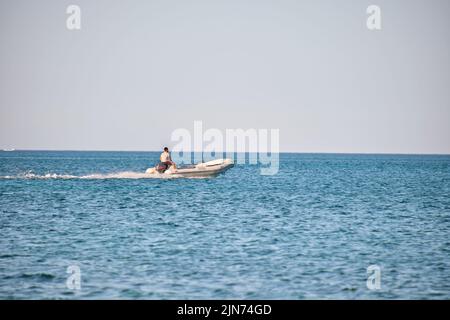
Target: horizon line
[(292, 152)]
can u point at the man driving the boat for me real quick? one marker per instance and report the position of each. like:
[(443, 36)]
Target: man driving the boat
[(166, 159)]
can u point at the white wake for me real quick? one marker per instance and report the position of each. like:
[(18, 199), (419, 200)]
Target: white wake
[(115, 175)]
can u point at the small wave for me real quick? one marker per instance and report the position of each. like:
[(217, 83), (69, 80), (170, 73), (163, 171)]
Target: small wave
[(38, 276)]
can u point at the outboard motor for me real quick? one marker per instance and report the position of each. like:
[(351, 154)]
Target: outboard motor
[(161, 167)]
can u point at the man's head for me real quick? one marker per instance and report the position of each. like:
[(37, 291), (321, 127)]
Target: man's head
[(166, 149)]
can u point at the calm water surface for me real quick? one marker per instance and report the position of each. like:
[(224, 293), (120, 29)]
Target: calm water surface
[(310, 231)]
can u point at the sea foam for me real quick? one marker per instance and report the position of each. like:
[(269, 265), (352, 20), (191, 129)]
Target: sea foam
[(93, 176)]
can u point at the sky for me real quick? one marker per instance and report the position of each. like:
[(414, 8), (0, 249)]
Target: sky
[(138, 70)]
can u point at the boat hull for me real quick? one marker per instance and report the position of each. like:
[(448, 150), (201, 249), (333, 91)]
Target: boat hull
[(201, 170)]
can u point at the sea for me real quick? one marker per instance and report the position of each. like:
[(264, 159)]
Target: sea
[(92, 225)]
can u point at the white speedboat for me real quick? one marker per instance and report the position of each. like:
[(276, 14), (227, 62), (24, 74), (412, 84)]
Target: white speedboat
[(203, 169)]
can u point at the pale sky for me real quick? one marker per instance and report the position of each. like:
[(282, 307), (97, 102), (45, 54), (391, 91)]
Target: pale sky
[(137, 70)]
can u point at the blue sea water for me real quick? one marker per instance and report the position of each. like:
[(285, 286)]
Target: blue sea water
[(308, 232)]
